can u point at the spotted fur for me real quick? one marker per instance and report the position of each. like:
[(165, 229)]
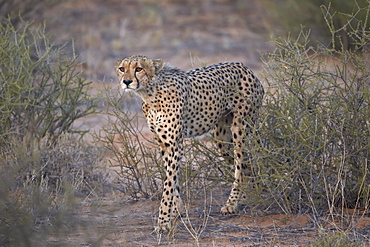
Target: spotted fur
[(223, 98)]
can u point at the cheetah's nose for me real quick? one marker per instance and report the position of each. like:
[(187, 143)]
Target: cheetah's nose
[(127, 82)]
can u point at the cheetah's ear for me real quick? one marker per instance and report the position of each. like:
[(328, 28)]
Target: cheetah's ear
[(158, 65), (119, 61)]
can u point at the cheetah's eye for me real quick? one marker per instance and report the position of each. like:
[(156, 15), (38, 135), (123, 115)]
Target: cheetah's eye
[(121, 69), (138, 69)]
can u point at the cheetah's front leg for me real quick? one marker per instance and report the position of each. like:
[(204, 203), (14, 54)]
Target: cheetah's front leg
[(170, 205)]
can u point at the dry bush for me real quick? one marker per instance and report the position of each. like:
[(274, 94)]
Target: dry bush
[(136, 158), (133, 157)]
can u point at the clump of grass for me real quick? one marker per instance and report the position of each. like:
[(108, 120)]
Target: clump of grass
[(38, 190), (338, 239)]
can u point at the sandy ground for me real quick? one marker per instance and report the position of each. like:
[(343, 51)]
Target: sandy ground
[(131, 223)]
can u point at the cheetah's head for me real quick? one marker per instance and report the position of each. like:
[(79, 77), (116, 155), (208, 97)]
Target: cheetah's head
[(137, 72)]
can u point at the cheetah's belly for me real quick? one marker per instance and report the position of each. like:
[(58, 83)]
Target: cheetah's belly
[(202, 118)]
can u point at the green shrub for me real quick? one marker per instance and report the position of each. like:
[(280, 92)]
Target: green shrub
[(315, 128), (42, 165), (41, 89)]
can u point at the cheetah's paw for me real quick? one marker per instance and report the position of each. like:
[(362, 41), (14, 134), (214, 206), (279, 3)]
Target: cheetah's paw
[(162, 228), (228, 209)]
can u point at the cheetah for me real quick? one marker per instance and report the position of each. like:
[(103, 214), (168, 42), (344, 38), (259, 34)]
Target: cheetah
[(223, 98)]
